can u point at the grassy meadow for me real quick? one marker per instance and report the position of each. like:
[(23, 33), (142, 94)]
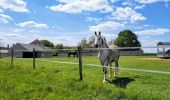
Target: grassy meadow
[(54, 81)]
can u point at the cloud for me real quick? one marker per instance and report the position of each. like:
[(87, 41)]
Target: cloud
[(34, 31), (128, 3), (151, 1), (91, 19), (127, 14), (4, 18), (78, 6), (64, 38), (1, 11), (32, 24), (113, 1), (104, 26), (11, 35), (14, 5), (139, 7), (19, 30), (149, 43), (159, 31)]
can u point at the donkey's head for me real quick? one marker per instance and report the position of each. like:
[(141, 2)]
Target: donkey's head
[(98, 40)]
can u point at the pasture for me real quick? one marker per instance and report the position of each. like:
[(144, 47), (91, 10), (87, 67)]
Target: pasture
[(61, 81)]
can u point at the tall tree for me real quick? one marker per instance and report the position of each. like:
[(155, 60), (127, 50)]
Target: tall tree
[(47, 43), (127, 38)]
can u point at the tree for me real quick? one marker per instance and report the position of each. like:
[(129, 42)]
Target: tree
[(91, 41), (47, 43), (84, 43), (127, 38), (59, 46)]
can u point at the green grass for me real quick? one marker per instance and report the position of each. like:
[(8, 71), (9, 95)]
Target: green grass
[(61, 81)]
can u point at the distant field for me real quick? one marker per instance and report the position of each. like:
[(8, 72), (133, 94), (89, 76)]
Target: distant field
[(61, 81)]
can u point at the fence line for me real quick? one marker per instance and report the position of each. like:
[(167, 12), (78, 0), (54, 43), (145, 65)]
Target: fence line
[(93, 65), (117, 48), (79, 50)]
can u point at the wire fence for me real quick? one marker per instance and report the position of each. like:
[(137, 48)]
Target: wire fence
[(80, 63)]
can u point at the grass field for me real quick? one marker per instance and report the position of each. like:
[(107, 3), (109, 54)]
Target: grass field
[(53, 81)]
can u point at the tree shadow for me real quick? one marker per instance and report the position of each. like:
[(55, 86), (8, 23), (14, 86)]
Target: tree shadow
[(121, 82)]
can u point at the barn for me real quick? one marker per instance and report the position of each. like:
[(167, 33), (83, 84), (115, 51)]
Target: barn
[(4, 51), (22, 50)]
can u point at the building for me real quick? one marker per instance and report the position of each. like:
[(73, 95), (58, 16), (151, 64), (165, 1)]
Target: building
[(26, 50), (4, 51), (163, 49)]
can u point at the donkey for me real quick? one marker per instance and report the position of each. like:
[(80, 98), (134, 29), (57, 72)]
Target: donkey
[(107, 56)]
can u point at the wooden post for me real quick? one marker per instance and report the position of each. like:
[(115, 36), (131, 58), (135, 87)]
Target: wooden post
[(0, 51), (163, 51), (80, 62), (34, 58), (12, 55)]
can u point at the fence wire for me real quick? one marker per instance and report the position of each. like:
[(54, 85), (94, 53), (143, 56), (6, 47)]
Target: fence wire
[(93, 65)]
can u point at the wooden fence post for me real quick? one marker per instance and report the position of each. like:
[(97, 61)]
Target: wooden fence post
[(12, 55), (34, 58), (80, 62)]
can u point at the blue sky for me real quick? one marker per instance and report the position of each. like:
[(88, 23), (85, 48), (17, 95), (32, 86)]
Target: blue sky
[(68, 21)]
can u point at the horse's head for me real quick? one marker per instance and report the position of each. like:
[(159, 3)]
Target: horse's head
[(98, 40)]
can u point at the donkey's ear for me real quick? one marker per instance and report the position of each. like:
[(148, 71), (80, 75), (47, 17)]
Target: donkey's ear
[(99, 33), (95, 33)]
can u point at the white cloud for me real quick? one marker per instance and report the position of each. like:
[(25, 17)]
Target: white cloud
[(1, 11), (159, 31), (139, 7), (32, 24), (78, 6), (19, 30), (4, 18), (14, 5), (127, 14), (113, 1), (149, 43), (11, 35), (151, 1), (64, 38), (91, 19), (128, 3), (34, 31), (104, 26)]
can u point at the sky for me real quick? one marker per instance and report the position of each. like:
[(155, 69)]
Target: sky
[(69, 21)]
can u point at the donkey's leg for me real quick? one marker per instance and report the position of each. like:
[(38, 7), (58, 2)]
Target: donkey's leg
[(116, 68), (110, 74), (105, 71)]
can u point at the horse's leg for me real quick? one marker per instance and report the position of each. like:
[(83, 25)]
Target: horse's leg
[(110, 74), (105, 70), (76, 55), (116, 73)]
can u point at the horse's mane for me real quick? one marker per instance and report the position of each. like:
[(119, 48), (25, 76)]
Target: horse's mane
[(110, 46)]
